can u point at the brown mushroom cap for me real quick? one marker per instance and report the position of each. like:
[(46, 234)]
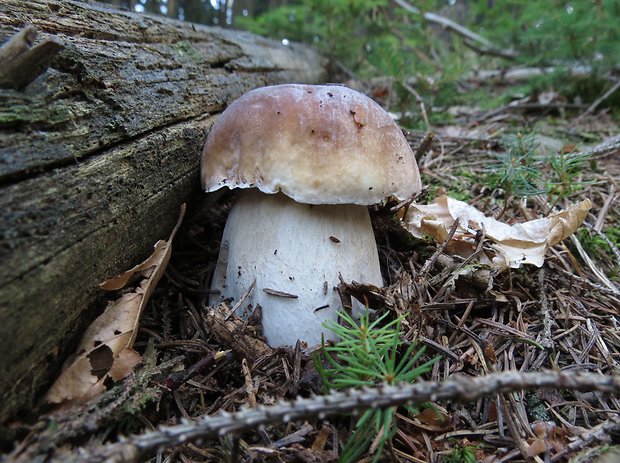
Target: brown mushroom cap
[(318, 144)]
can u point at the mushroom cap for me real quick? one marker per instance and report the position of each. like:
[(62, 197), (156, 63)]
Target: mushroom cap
[(317, 144)]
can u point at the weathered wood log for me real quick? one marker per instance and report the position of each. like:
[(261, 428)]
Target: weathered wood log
[(96, 155)]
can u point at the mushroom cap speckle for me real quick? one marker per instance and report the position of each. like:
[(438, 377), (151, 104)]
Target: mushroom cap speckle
[(317, 144)]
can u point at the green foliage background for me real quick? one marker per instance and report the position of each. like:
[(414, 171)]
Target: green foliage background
[(378, 38), (543, 33), (572, 32)]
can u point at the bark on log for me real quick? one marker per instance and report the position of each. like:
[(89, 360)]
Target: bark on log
[(97, 154)]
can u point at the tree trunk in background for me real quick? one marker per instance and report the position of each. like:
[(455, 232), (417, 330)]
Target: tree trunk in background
[(239, 6), (96, 156), (173, 9)]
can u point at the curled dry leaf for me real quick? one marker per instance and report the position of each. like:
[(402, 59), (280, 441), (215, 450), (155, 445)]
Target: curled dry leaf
[(105, 350), (513, 245)]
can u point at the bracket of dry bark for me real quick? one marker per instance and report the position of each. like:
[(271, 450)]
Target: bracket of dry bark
[(21, 61), (97, 153)]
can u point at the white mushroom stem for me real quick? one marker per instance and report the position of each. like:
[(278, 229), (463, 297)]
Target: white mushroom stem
[(295, 253)]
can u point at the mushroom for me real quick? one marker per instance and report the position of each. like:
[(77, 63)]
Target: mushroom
[(308, 160)]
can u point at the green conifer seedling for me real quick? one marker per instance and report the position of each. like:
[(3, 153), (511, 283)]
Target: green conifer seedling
[(368, 354)]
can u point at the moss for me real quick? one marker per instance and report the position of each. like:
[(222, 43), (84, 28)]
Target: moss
[(186, 49), (536, 409), (462, 454), (461, 191), (592, 243), (613, 233), (40, 115)]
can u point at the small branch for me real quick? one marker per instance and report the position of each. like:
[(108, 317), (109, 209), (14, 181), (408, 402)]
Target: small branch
[(602, 98), (490, 51), (420, 101), (231, 331), (609, 147), (175, 380), (463, 388), (602, 277), (21, 62), (489, 48), (249, 384), (545, 337), (430, 262), (407, 202), (599, 433), (521, 74), (425, 145)]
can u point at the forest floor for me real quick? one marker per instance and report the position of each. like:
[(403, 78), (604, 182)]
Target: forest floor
[(563, 316)]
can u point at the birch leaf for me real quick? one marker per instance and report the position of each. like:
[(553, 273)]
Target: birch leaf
[(105, 350)]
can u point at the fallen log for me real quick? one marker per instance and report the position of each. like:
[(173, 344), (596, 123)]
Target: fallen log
[(99, 145)]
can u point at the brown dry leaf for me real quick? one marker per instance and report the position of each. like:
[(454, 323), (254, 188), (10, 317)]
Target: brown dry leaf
[(105, 350), (536, 447), (513, 245), (434, 417)]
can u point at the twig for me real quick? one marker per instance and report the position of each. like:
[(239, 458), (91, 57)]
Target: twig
[(175, 380), (17, 44), (425, 145), (241, 300), (608, 147), (597, 272), (600, 218), (490, 51), (599, 100), (520, 74), (420, 101), (336, 403), (249, 384), (545, 339), (597, 433), (430, 262), (587, 282), (455, 27), (407, 202)]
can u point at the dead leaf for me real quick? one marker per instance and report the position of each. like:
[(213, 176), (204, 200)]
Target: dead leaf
[(536, 447), (105, 350), (434, 418), (513, 245)]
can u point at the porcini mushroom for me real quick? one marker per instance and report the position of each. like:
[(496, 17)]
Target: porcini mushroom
[(309, 159)]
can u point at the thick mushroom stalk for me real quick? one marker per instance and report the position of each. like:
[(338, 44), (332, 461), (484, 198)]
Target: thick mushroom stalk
[(294, 252)]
